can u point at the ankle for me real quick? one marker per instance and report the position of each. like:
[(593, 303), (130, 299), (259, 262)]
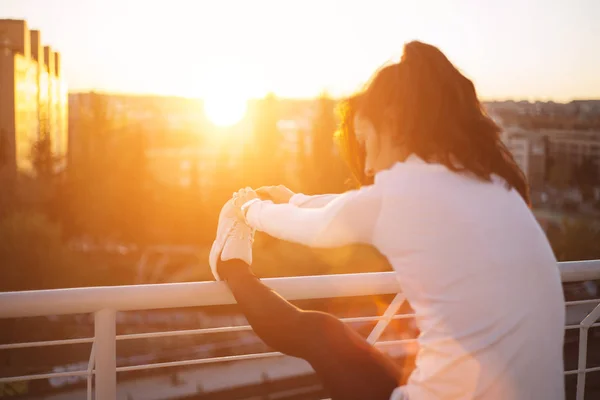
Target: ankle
[(233, 267)]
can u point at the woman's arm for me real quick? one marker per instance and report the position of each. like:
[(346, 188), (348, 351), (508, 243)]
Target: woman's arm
[(349, 218), (315, 201)]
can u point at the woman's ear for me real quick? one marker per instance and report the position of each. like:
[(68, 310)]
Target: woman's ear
[(392, 137)]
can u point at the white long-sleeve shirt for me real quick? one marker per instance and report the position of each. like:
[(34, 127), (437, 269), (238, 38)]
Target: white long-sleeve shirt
[(314, 201), (472, 261)]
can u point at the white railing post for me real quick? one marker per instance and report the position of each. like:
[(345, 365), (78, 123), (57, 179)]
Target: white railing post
[(386, 318), (587, 322), (582, 362), (90, 370), (105, 354)]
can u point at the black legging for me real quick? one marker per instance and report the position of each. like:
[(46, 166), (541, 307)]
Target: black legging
[(348, 366)]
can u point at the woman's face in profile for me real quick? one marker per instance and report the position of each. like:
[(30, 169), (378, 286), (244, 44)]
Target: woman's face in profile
[(366, 138), (379, 154)]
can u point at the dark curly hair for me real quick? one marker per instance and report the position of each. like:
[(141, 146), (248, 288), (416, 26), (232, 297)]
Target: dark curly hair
[(433, 111)]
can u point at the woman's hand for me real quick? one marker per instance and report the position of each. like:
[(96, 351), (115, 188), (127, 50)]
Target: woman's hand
[(277, 194), (243, 196)]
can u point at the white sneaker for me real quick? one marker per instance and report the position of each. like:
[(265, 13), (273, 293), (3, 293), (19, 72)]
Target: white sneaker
[(234, 239)]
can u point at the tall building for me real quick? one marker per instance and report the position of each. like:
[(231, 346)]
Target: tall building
[(33, 97), (529, 151)]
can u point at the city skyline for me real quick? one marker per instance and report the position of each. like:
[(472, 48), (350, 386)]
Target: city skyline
[(542, 50)]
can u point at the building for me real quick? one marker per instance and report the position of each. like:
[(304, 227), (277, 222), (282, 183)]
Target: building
[(574, 146), (296, 143), (529, 152), (535, 150), (33, 97)]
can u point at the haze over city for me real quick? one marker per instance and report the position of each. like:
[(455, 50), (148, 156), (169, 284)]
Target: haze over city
[(539, 49)]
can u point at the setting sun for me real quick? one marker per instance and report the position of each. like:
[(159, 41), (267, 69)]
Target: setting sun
[(225, 110)]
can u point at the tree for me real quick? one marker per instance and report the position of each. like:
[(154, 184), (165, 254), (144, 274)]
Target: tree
[(7, 181), (303, 170), (31, 251), (561, 174), (586, 177), (108, 177), (327, 173), (44, 162), (129, 186), (88, 169), (263, 157), (45, 192), (4, 150)]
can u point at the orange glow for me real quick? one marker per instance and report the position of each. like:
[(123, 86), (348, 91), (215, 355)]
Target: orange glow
[(159, 47)]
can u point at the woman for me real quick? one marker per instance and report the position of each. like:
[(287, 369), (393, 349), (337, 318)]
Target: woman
[(449, 210)]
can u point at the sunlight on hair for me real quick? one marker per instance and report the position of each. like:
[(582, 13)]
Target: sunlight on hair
[(225, 110)]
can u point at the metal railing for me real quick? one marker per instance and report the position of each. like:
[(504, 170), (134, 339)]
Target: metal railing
[(104, 302)]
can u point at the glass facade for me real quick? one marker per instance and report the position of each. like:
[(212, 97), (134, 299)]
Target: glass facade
[(33, 99), (26, 110), (40, 107), (63, 118)]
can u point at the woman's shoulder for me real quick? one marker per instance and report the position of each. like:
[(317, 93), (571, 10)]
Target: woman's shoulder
[(408, 173)]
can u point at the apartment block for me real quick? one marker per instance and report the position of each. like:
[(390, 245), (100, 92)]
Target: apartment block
[(574, 147), (532, 149), (33, 97)]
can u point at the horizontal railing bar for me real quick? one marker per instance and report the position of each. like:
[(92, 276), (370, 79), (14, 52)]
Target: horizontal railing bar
[(184, 332), (45, 343), (252, 356), (211, 360), (201, 361), (147, 335), (194, 294), (239, 328), (578, 271), (578, 302), (49, 375), (207, 361), (189, 294), (575, 371), (579, 326)]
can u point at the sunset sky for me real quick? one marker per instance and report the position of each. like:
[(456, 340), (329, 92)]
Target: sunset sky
[(534, 49)]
